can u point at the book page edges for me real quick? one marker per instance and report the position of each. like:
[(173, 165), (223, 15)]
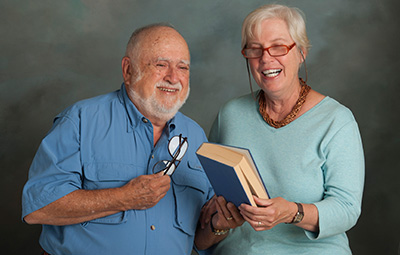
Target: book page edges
[(245, 185), (213, 152), (247, 166), (257, 187)]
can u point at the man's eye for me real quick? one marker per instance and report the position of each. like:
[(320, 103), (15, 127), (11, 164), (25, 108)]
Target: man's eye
[(161, 65), (184, 68)]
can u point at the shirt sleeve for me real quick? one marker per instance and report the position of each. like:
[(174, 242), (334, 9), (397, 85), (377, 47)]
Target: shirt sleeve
[(56, 168), (343, 183)]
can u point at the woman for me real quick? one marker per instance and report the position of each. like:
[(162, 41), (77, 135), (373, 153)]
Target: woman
[(306, 145)]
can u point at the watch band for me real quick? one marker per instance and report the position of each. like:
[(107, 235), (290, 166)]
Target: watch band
[(299, 215)]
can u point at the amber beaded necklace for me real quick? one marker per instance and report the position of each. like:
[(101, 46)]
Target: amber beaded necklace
[(305, 89)]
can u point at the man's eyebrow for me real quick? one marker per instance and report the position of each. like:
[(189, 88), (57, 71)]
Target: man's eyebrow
[(186, 62), (163, 59)]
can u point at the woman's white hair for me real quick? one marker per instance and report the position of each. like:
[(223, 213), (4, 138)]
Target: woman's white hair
[(293, 17)]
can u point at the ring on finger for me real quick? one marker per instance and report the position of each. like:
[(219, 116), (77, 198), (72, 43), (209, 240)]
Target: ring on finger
[(229, 218), (259, 223)]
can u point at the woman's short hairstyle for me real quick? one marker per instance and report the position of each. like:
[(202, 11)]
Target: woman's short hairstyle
[(291, 15)]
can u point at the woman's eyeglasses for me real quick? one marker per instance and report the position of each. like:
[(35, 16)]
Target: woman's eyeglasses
[(273, 51), (177, 147)]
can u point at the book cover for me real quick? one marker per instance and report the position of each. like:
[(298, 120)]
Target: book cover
[(225, 181), (232, 173)]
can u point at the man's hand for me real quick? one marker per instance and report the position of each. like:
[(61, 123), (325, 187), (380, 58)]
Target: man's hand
[(145, 191), (223, 216), (227, 216)]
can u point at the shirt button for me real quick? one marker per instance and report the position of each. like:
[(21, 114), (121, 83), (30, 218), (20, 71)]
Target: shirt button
[(144, 120), (152, 227), (152, 156)]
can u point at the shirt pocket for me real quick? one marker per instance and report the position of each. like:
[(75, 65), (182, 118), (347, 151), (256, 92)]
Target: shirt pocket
[(190, 187), (99, 175), (113, 219)]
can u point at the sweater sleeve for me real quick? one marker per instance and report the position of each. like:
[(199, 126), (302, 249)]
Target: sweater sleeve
[(343, 182)]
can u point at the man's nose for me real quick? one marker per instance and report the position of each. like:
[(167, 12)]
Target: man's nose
[(172, 76)]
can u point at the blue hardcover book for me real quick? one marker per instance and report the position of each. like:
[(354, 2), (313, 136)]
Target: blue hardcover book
[(232, 173)]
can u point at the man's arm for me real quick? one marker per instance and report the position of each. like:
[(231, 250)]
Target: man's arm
[(84, 205)]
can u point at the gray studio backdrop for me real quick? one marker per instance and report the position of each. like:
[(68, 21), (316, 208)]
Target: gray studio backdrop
[(53, 53)]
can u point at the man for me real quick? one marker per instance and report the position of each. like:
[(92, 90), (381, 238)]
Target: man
[(94, 183)]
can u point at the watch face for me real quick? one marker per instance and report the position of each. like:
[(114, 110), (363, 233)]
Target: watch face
[(298, 218), (299, 215)]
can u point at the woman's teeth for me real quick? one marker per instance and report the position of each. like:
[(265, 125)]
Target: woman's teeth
[(272, 72)]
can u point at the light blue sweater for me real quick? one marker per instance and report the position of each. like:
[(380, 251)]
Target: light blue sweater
[(318, 158)]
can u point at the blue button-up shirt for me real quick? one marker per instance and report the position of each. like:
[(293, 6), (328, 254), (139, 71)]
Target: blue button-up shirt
[(104, 142)]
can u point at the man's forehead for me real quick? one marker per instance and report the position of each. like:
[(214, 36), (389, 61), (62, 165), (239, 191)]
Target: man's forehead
[(162, 35), (164, 44)]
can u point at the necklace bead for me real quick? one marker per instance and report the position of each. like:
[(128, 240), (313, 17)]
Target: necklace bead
[(305, 89)]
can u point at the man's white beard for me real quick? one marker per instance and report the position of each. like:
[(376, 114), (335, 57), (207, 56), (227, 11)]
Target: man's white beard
[(157, 109)]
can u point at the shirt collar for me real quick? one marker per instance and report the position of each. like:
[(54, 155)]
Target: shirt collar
[(136, 118)]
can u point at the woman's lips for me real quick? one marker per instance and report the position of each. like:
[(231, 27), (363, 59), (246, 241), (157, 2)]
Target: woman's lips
[(270, 73)]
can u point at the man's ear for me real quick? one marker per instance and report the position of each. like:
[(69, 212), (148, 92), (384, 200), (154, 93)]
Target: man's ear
[(126, 69)]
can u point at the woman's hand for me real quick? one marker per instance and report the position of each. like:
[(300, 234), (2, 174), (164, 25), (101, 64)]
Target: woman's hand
[(270, 212)]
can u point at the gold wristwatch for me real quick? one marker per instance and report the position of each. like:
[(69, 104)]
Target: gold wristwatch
[(299, 215)]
